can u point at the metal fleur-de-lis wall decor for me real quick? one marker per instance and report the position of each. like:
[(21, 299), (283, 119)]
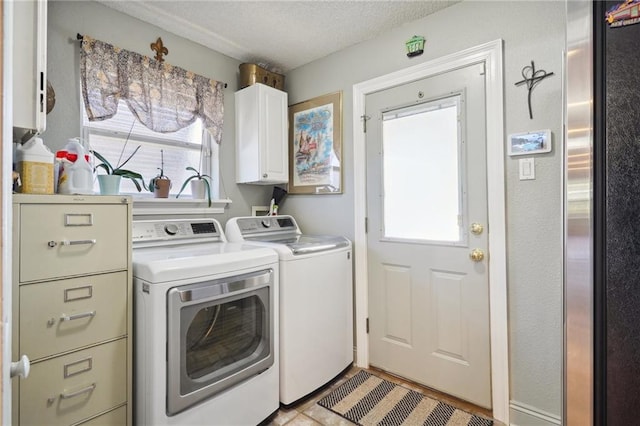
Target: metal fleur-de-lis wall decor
[(160, 50), (531, 78)]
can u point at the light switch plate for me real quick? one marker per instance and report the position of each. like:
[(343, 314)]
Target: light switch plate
[(527, 168)]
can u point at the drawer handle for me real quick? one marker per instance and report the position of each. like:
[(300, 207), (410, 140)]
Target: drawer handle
[(77, 242), (89, 388), (65, 317), (52, 244)]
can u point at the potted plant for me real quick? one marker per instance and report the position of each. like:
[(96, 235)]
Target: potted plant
[(110, 182), (161, 184), (200, 185)]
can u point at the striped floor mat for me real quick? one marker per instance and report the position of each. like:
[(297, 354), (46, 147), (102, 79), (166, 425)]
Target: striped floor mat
[(368, 400)]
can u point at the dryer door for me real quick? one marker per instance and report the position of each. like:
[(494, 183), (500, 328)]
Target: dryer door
[(220, 333)]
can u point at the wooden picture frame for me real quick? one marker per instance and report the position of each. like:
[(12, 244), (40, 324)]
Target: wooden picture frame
[(315, 145)]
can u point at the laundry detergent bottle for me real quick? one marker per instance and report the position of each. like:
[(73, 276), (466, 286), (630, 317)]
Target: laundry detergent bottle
[(76, 174), (34, 163)]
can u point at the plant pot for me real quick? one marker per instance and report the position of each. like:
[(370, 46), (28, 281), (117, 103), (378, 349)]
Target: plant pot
[(198, 189), (161, 188), (109, 184)]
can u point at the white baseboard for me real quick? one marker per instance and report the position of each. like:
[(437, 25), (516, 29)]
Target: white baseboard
[(526, 415)]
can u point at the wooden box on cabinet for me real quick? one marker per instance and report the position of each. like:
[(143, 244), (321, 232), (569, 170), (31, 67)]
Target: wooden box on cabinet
[(261, 135), (72, 309)]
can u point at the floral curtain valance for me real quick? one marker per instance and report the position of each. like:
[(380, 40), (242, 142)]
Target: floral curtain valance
[(163, 97)]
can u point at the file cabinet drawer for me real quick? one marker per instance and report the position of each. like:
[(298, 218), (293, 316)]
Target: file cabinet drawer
[(73, 240), (58, 316), (112, 418), (70, 388)]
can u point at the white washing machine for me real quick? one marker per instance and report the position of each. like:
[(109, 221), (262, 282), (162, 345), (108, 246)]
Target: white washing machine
[(206, 326), (316, 310)]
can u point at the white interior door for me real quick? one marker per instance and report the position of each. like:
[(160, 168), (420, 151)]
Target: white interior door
[(427, 235)]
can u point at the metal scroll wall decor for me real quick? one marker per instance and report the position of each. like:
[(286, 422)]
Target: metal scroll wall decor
[(160, 50), (531, 77)]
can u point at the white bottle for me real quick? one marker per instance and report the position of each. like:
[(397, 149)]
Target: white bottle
[(34, 162), (77, 176)]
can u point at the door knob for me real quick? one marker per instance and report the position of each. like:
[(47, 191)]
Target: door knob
[(476, 255), (476, 228), (20, 368)]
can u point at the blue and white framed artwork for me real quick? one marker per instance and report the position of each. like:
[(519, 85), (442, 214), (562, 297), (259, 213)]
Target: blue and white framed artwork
[(537, 142)]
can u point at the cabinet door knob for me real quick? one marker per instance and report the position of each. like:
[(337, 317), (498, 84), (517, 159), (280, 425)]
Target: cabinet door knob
[(264, 175)]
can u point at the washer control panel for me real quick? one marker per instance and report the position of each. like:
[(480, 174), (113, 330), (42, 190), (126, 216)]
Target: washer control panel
[(176, 230), (251, 225)]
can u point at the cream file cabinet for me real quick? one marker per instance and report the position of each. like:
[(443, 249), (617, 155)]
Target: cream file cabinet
[(72, 309)]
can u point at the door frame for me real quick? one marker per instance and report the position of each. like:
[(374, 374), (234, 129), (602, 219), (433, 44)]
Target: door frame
[(6, 218), (491, 55)]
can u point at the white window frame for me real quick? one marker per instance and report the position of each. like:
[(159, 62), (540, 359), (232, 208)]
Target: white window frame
[(144, 203), (455, 100)]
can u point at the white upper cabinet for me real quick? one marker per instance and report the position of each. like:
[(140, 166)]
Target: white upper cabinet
[(29, 67), (261, 135)]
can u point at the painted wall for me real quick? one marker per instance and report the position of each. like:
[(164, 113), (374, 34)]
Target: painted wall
[(531, 31), (67, 18)]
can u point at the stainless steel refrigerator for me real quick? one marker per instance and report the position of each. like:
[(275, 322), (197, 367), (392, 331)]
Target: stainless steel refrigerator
[(602, 209)]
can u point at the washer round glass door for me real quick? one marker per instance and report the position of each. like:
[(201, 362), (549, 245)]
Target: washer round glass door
[(219, 333)]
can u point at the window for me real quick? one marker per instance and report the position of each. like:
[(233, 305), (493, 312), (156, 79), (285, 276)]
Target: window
[(422, 176), (163, 97), (180, 149)]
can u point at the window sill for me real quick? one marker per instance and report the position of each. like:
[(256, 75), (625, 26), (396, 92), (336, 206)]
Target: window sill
[(170, 206)]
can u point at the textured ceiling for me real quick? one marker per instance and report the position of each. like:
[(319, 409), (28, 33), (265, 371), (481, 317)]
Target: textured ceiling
[(281, 35)]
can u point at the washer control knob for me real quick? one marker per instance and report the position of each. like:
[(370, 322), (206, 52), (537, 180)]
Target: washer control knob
[(266, 223), (171, 229)]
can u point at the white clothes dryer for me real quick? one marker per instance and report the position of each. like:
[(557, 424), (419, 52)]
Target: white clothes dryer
[(206, 326), (316, 294)]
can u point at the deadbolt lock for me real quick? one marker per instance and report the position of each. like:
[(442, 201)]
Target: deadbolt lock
[(476, 228), (476, 255)]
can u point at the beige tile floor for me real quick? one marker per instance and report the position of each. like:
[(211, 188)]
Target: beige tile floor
[(308, 413)]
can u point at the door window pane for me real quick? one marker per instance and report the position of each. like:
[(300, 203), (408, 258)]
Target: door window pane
[(421, 172)]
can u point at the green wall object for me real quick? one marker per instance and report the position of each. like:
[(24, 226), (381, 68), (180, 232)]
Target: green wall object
[(415, 46)]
